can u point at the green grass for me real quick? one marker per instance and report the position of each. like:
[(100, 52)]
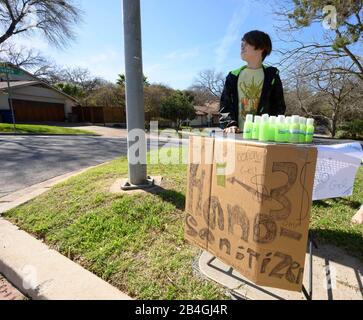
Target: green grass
[(331, 220), (136, 242), (40, 129)]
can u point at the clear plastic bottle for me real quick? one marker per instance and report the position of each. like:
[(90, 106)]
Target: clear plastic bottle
[(256, 128), (310, 130), (264, 129), (294, 134), (248, 127), (272, 127), (280, 130), (302, 137)]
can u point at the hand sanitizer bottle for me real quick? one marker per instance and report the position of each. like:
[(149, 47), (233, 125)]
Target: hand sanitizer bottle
[(248, 127), (302, 137), (310, 129), (272, 127), (295, 129), (256, 128), (264, 128), (280, 130), (287, 128)]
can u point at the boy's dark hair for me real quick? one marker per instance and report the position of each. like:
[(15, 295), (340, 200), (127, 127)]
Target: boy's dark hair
[(259, 40)]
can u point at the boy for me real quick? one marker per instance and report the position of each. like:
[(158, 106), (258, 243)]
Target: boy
[(253, 89)]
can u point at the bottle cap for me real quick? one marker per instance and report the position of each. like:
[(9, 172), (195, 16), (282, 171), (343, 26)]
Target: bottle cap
[(310, 122), (264, 119), (288, 120), (249, 118), (257, 119), (295, 119), (281, 119), (265, 116), (303, 120), (273, 119)]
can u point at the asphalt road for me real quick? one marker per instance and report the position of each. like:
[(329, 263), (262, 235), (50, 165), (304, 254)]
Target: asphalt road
[(28, 160)]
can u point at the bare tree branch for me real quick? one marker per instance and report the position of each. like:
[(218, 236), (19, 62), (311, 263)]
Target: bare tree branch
[(54, 19)]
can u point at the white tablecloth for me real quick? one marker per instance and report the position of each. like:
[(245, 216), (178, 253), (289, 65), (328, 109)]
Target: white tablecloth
[(336, 170)]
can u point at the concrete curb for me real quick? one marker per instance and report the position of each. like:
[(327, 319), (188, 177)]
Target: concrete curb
[(45, 274)]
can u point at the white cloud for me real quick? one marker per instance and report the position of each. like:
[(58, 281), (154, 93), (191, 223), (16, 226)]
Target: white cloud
[(181, 55), (176, 76), (106, 64), (232, 32), (34, 42)]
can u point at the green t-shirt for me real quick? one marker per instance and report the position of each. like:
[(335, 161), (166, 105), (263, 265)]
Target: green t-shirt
[(250, 84)]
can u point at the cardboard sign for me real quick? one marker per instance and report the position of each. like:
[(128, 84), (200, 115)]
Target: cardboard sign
[(255, 217)]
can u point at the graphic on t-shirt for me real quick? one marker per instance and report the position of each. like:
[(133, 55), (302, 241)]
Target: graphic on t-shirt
[(251, 94)]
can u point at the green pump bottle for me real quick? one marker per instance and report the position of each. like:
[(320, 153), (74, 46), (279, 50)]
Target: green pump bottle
[(280, 130), (272, 126), (294, 134), (288, 121), (302, 136), (310, 129), (248, 127), (256, 128)]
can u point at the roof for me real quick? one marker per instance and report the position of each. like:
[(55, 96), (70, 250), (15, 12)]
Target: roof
[(17, 84), (208, 108), (36, 81), (200, 113)]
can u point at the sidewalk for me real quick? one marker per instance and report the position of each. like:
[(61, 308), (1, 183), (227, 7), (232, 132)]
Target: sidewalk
[(336, 276), (8, 292)]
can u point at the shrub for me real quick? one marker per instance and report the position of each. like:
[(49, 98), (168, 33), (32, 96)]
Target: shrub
[(352, 130)]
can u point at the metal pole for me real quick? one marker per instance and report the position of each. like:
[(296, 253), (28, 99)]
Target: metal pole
[(134, 88), (10, 100)]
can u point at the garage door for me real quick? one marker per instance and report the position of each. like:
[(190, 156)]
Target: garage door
[(34, 111)]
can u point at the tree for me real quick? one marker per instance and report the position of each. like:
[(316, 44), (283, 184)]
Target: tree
[(325, 95), (122, 80), (210, 83), (29, 59), (337, 89), (54, 19), (201, 96), (177, 108), (341, 43), (72, 90), (154, 96), (107, 95)]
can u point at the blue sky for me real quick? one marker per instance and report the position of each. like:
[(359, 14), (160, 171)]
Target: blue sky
[(180, 37)]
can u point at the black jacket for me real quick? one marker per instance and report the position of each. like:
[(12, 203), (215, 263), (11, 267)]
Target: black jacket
[(272, 97)]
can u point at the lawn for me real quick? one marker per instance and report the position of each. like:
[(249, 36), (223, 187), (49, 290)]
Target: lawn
[(40, 129), (136, 242)]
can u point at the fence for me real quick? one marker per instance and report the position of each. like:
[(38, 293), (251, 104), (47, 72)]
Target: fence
[(99, 115)]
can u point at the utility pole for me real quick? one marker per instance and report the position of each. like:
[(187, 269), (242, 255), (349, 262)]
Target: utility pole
[(10, 99), (135, 97)]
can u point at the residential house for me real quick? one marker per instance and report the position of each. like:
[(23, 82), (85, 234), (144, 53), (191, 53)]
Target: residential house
[(33, 100), (207, 115)]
